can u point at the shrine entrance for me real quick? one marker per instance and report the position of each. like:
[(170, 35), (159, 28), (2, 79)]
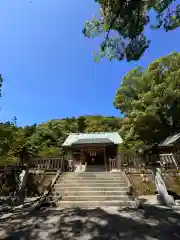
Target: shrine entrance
[(95, 157), (92, 150)]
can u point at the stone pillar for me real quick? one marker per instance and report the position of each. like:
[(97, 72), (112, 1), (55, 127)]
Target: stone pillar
[(81, 158), (105, 159)]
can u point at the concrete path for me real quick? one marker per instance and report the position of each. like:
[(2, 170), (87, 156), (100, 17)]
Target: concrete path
[(149, 223)]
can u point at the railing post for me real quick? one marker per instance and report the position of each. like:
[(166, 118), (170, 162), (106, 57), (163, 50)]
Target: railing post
[(56, 163), (43, 163), (46, 163), (177, 159), (41, 166), (52, 163), (62, 164)]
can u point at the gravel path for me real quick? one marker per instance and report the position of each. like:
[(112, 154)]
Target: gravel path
[(149, 223)]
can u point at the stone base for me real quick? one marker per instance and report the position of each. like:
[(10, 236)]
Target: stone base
[(80, 168), (115, 170), (169, 202)]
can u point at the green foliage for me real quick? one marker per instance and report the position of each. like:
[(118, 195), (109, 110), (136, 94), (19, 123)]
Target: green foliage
[(123, 22), (150, 100), (101, 124), (46, 139), (7, 135), (49, 151)]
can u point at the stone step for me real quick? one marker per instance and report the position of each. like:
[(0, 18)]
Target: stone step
[(91, 177), (94, 193), (92, 184), (117, 203), (61, 188), (96, 198), (92, 174), (92, 181)]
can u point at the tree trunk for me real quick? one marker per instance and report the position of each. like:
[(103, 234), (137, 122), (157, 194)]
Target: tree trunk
[(164, 198)]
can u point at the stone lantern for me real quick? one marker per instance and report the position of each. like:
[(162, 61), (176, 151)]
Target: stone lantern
[(152, 161)]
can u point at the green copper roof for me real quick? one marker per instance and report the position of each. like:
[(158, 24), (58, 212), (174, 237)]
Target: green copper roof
[(93, 138), (170, 140)]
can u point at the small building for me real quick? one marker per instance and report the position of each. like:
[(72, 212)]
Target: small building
[(171, 144), (93, 150)]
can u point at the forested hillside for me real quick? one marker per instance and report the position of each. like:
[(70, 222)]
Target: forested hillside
[(46, 139)]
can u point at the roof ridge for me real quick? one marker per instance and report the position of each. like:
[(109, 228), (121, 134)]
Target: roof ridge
[(112, 136)]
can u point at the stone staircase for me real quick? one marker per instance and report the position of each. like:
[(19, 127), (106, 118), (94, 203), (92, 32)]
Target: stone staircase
[(92, 189)]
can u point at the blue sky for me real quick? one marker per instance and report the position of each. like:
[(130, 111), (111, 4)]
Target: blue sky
[(47, 64)]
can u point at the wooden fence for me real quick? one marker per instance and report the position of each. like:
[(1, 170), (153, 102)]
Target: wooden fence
[(46, 163), (171, 161), (167, 161)]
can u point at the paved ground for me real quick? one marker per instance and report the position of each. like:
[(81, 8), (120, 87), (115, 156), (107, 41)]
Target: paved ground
[(149, 223)]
